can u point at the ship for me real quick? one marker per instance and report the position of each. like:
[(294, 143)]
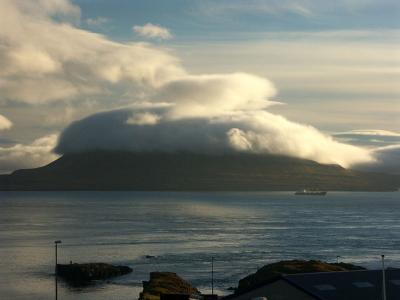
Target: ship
[(311, 192)]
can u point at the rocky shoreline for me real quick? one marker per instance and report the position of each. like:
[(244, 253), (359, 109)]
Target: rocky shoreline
[(161, 284)]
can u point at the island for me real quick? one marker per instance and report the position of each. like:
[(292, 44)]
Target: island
[(183, 171)]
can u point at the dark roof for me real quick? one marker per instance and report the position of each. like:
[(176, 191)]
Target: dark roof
[(348, 285)]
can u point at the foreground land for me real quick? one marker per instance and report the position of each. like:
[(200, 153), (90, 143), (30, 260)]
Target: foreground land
[(288, 279), (170, 283), (113, 170)]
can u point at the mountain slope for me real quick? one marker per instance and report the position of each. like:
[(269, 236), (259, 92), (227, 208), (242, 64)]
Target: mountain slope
[(117, 170)]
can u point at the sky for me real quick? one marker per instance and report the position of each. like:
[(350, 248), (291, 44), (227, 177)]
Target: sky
[(306, 78)]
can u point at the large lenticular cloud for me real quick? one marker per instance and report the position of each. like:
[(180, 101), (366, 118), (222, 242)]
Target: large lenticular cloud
[(45, 60), (255, 132)]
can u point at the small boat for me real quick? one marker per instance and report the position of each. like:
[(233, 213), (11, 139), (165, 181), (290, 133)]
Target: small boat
[(311, 192)]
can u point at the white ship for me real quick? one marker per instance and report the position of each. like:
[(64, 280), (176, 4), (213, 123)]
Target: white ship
[(311, 192)]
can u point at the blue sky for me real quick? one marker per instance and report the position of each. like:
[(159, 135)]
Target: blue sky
[(226, 18)]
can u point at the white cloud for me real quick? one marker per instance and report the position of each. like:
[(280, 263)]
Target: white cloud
[(370, 132), (36, 154), (45, 8), (369, 138), (97, 22), (43, 60), (269, 133), (216, 94), (145, 118), (253, 7), (5, 123), (152, 31)]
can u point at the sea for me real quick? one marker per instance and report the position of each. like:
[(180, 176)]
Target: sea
[(182, 232)]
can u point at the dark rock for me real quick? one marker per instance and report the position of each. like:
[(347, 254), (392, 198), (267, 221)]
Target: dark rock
[(274, 270), (210, 297), (165, 283), (174, 297), (82, 274)]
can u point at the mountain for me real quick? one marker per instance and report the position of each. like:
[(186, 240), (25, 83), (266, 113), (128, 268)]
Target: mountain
[(118, 170)]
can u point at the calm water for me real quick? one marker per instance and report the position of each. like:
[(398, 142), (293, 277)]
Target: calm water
[(242, 231)]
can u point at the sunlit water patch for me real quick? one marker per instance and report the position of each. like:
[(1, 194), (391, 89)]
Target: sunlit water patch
[(182, 231)]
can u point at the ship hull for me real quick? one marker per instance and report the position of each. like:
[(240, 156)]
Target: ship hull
[(319, 193)]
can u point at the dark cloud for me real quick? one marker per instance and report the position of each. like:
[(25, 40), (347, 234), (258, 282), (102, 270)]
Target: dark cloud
[(387, 160)]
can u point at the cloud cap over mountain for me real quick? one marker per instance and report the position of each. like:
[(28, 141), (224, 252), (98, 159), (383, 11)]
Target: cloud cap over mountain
[(254, 132)]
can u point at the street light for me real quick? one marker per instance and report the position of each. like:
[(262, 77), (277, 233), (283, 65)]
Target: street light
[(56, 248), (56, 244), (212, 276), (383, 278)]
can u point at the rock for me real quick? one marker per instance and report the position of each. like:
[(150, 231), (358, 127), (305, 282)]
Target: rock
[(274, 270), (165, 283), (82, 274), (348, 267)]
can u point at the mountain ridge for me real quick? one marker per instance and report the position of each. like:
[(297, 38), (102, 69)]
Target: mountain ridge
[(157, 171)]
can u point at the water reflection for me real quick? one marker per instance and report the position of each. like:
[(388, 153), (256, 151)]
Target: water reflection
[(183, 230)]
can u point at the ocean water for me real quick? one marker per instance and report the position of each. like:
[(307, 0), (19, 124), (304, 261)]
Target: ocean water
[(242, 231)]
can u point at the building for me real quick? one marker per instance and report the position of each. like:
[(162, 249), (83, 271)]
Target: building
[(349, 285)]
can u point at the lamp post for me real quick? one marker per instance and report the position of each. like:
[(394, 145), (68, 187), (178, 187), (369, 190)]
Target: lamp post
[(212, 275), (383, 278), (56, 272)]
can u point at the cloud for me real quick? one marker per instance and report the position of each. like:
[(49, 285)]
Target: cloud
[(44, 8), (20, 156), (370, 132), (5, 123), (335, 80), (152, 31), (371, 138), (255, 7), (145, 118), (387, 160), (383, 145), (97, 22), (44, 60), (216, 94), (254, 132)]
